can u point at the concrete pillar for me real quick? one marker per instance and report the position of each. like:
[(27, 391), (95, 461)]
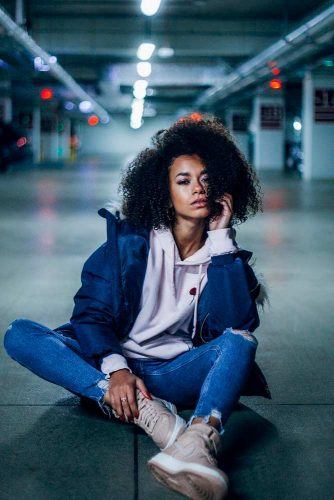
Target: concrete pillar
[(50, 138), (65, 139), (36, 134), (318, 126), (267, 127), (54, 140), (6, 110), (237, 120)]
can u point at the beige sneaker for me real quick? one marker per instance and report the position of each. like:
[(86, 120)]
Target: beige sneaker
[(189, 466), (159, 419)]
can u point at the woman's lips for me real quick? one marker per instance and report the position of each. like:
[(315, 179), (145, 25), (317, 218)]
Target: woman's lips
[(199, 204)]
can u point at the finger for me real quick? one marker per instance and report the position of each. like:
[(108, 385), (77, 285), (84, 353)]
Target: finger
[(229, 201), (132, 400), (227, 207), (118, 406), (126, 407), (112, 400), (142, 387)]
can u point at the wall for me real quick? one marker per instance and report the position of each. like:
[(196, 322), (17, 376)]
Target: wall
[(118, 139), (318, 138)]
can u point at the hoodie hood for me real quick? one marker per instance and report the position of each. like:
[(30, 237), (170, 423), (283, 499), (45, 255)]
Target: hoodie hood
[(199, 260)]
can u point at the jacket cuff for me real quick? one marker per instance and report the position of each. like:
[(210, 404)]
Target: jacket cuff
[(222, 241), (114, 362)]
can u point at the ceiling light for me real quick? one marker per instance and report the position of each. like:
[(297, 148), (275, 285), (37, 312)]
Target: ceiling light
[(69, 105), (139, 89), (144, 69), (145, 51), (40, 65), (297, 125), (150, 7), (85, 106), (165, 52)]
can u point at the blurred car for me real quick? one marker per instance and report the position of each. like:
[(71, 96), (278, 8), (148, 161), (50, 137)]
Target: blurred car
[(14, 146)]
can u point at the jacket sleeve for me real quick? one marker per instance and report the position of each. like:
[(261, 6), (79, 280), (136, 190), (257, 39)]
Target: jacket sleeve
[(96, 306), (232, 289)]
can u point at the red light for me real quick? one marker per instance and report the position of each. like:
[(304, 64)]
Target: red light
[(93, 120), (22, 141), (46, 94), (196, 117), (275, 71), (275, 84)]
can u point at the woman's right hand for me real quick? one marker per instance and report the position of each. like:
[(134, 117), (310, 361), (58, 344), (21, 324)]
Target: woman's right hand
[(123, 384)]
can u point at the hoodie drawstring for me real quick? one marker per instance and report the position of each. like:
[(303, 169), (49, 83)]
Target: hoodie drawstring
[(199, 278)]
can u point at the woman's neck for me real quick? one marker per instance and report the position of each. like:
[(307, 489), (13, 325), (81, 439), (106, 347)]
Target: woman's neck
[(189, 237)]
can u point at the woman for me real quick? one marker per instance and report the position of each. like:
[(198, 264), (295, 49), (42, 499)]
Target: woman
[(167, 308)]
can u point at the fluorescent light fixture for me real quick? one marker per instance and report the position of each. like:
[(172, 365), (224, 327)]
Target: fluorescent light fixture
[(144, 69), (297, 125), (40, 65), (135, 124), (150, 7), (139, 89), (137, 105), (165, 52), (69, 105), (105, 120), (85, 106), (52, 60), (140, 84), (139, 93), (137, 113), (145, 51)]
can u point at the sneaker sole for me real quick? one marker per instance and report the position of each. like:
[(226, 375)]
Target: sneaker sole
[(194, 481)]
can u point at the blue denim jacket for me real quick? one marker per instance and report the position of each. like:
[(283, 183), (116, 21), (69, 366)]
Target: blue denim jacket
[(107, 303)]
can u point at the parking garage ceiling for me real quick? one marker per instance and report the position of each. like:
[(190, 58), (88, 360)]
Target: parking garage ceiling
[(96, 43)]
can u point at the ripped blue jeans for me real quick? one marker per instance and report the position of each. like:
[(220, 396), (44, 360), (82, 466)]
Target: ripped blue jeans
[(209, 378)]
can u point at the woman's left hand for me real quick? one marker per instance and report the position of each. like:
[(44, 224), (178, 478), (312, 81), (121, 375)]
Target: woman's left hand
[(223, 220)]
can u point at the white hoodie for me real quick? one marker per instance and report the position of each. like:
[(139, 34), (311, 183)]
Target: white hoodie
[(161, 328)]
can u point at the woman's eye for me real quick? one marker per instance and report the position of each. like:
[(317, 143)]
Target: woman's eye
[(205, 179)]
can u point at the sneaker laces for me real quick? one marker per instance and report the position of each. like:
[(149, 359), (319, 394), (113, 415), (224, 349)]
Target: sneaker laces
[(148, 415)]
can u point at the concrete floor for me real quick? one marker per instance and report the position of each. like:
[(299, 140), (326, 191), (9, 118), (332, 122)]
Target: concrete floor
[(53, 449)]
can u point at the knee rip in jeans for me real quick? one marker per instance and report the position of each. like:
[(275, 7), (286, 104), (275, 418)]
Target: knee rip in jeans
[(206, 419), (246, 334)]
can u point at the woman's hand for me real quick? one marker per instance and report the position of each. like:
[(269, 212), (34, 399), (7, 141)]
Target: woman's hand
[(223, 220), (123, 384)]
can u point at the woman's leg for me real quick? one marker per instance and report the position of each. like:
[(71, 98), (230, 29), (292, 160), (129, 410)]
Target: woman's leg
[(223, 385), (54, 357), (210, 377)]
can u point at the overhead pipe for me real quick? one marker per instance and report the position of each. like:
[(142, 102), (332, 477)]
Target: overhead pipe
[(22, 37), (257, 68)]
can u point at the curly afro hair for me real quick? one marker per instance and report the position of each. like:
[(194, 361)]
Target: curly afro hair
[(144, 186)]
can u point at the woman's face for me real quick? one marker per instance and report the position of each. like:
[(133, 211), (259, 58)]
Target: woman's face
[(188, 182)]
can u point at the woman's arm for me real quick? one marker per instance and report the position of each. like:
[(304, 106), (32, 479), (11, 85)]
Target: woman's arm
[(232, 285), (232, 290), (96, 305)]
